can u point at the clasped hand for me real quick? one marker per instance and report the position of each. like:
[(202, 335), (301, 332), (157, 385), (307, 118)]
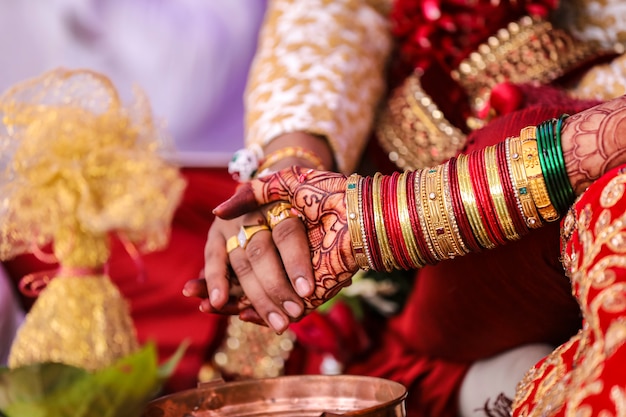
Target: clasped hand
[(273, 268)]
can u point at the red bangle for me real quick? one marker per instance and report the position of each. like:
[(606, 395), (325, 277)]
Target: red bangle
[(462, 220), (411, 184), (392, 221), (370, 226), (485, 204)]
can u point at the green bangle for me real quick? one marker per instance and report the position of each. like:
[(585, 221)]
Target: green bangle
[(547, 167), (563, 202), (567, 185)]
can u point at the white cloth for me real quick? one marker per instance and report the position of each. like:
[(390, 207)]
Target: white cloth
[(11, 316), (489, 379), (191, 57)]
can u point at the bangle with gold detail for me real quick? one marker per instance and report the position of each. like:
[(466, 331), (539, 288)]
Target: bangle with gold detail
[(535, 176)]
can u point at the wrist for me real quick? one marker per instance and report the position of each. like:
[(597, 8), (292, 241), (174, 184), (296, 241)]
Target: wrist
[(313, 144), (291, 149)]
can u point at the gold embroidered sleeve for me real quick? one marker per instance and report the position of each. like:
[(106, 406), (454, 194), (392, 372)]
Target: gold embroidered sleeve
[(319, 69)]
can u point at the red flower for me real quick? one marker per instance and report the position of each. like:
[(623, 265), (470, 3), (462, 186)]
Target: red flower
[(446, 31)]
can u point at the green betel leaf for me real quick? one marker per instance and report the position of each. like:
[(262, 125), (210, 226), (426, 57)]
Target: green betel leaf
[(57, 390), (23, 388)]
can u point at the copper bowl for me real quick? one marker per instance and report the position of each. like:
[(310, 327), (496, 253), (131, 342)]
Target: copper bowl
[(303, 395)]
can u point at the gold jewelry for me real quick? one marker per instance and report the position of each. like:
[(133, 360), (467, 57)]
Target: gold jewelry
[(469, 203), (242, 238), (288, 152), (421, 213), (497, 194), (436, 217), (535, 175), (529, 50), (389, 261), (354, 215), (414, 131), (405, 223), (278, 213), (460, 245), (520, 184)]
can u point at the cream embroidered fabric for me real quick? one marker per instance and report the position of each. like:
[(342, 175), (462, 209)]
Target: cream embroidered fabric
[(332, 83), (603, 82), (604, 22)]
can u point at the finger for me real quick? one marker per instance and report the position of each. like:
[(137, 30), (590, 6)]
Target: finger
[(254, 194), (196, 288), (290, 238), (250, 315), (230, 308), (267, 263), (216, 272), (263, 280), (260, 272)]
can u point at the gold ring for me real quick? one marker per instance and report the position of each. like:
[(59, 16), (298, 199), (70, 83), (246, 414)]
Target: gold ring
[(241, 239), (278, 213)]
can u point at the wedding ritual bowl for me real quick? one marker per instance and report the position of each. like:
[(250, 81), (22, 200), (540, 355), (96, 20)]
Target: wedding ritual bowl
[(286, 396)]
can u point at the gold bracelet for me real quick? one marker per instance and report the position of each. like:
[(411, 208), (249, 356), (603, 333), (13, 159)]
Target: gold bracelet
[(352, 204), (436, 217), (289, 152), (389, 262), (497, 194), (368, 255), (460, 245), (469, 203), (404, 218), (535, 175), (419, 175), (520, 183), (427, 219)]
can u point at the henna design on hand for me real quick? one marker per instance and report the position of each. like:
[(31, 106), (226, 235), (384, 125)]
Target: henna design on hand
[(320, 199), (593, 142)]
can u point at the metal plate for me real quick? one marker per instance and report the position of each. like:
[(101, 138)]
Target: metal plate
[(298, 396)]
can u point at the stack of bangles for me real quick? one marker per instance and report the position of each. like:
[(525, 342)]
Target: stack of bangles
[(472, 202)]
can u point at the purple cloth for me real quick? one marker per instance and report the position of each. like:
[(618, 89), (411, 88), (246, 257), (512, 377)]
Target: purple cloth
[(190, 56)]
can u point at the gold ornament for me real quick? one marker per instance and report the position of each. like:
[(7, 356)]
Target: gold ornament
[(78, 167)]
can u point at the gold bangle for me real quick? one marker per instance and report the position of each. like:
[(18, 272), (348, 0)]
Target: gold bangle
[(427, 219), (497, 194), (436, 217), (520, 184), (288, 152), (535, 175), (419, 176), (460, 245), (354, 214), (469, 203), (404, 218), (389, 261)]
